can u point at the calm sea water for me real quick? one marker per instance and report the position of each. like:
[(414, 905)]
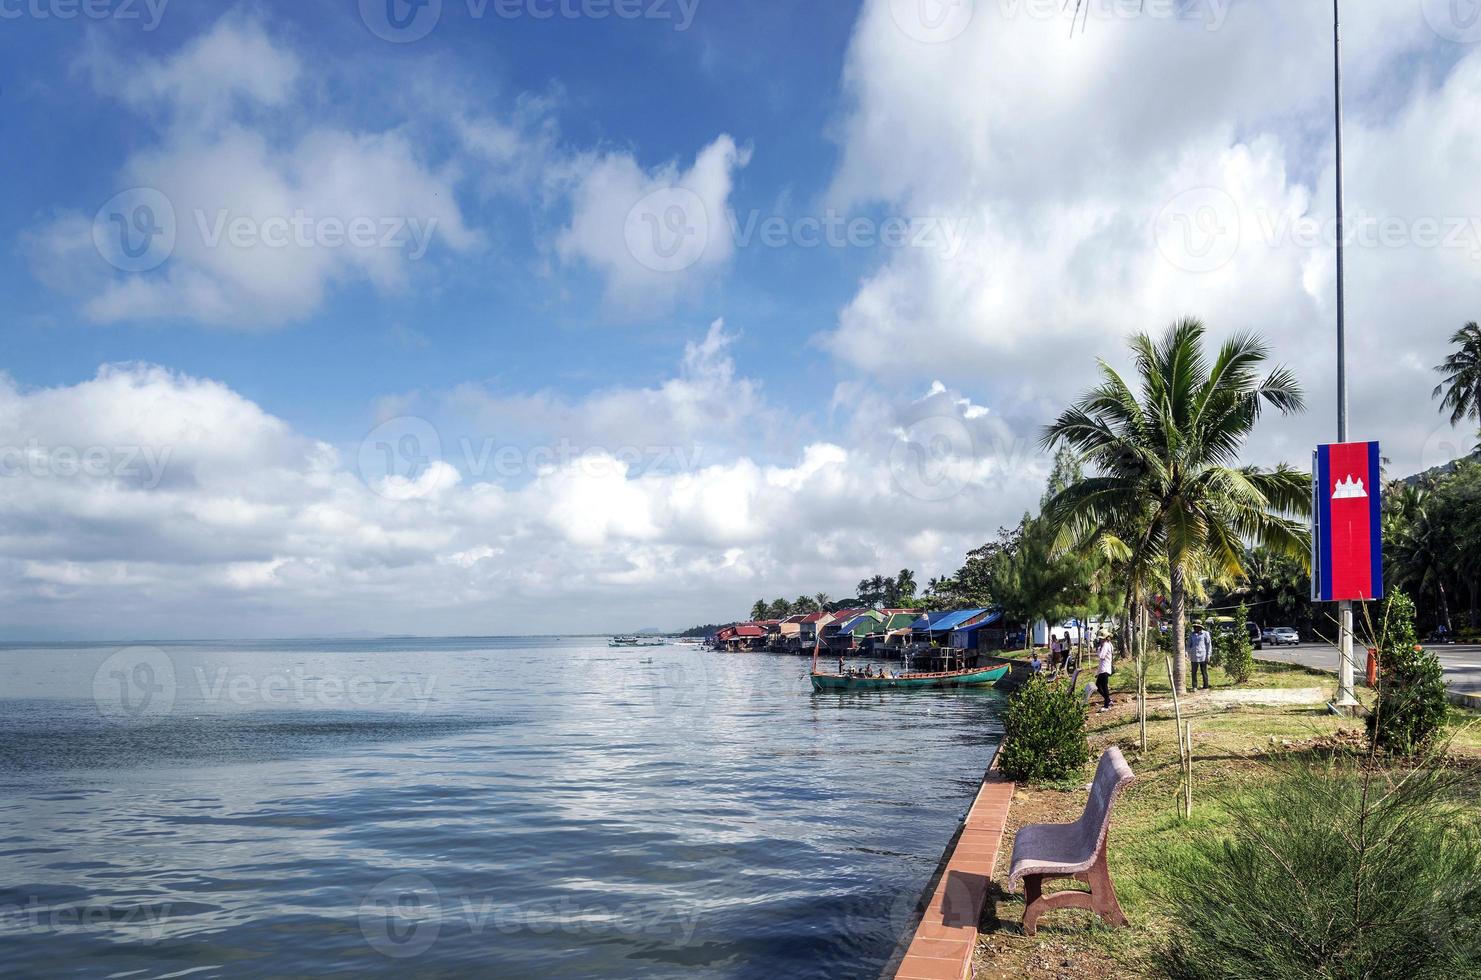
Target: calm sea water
[(497, 807)]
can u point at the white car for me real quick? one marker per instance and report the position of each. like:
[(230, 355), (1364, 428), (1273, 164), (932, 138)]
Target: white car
[(1280, 636)]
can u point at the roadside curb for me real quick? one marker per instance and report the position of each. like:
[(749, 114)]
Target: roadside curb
[(1461, 699)]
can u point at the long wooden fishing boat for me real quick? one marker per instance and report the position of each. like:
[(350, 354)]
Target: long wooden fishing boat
[(972, 677)]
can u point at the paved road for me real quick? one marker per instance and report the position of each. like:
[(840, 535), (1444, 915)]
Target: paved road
[(1462, 662)]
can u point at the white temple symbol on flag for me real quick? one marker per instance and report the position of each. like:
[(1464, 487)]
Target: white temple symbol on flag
[(1348, 489)]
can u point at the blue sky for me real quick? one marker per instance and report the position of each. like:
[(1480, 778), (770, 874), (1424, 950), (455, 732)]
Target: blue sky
[(660, 314), (644, 86)]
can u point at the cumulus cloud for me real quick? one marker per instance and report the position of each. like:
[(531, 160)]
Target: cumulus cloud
[(1147, 168), (651, 234), (706, 406), (239, 211), (147, 502)]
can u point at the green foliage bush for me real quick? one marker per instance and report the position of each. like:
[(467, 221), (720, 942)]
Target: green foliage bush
[(1411, 706), (1324, 876), (1239, 653), (1044, 733)]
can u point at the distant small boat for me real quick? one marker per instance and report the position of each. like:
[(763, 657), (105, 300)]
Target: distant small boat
[(974, 677), (634, 641)]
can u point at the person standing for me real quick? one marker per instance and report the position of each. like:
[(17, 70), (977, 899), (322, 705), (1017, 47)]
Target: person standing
[(1105, 652), (1200, 648)]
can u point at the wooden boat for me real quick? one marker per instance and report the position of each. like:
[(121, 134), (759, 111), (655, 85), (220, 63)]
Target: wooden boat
[(973, 677)]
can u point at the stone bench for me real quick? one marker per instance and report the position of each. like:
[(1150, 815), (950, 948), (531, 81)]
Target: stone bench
[(1042, 852)]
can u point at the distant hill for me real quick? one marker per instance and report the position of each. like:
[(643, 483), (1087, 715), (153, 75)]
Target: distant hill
[(1444, 469)]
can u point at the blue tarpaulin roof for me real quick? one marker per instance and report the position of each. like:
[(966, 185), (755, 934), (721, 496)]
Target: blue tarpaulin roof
[(925, 622), (952, 620), (986, 621)]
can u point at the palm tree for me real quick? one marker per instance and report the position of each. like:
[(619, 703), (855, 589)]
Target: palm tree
[(1167, 485), (822, 599), (758, 611), (1461, 390), (905, 583)]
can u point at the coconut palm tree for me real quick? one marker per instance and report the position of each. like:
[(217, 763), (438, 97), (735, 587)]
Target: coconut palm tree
[(1460, 392), (758, 611), (905, 584), (1166, 484), (822, 599)]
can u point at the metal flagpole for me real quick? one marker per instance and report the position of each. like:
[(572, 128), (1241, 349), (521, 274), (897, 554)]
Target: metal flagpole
[(1344, 610)]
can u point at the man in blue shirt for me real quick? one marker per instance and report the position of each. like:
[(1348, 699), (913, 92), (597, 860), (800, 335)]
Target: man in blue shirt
[(1200, 648)]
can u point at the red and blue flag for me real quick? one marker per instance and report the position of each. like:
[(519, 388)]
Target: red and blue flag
[(1347, 539)]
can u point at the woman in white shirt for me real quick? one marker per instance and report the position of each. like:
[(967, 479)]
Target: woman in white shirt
[(1105, 651)]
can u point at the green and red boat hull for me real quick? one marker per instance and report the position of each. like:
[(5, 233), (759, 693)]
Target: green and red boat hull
[(977, 677)]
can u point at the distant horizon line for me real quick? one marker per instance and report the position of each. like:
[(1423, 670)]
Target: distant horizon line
[(340, 636)]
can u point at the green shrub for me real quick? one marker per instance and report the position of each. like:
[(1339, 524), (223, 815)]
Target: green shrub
[(1323, 876), (1239, 652), (1044, 733), (1411, 705)]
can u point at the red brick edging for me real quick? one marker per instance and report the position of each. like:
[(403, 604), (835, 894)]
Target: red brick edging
[(947, 935)]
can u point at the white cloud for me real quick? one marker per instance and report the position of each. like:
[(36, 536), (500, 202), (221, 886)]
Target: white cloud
[(652, 235), (248, 526), (707, 406), (1098, 172), (254, 212)]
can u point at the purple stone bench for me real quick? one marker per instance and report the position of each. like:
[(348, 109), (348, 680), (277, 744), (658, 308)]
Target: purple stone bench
[(1045, 851)]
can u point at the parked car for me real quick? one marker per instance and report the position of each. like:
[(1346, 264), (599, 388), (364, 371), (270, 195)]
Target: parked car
[(1282, 636), (1257, 638)]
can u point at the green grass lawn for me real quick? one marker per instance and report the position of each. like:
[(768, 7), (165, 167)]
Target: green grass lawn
[(1236, 750)]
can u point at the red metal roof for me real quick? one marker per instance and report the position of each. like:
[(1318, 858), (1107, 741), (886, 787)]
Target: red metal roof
[(800, 617), (749, 630), (813, 618)]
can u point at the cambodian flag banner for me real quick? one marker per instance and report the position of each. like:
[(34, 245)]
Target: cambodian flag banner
[(1347, 536)]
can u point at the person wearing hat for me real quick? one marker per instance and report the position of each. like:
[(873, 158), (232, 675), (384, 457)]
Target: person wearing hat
[(1105, 652), (1200, 648)]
